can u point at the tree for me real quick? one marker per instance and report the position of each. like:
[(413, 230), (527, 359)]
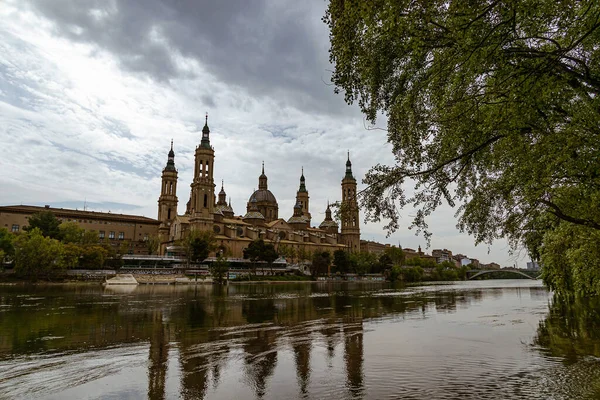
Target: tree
[(198, 245), (491, 107), (320, 263), (70, 232), (37, 256), (395, 254), (72, 255), (46, 222), (341, 263), (219, 269), (362, 262), (258, 250), (93, 257), (152, 244), (6, 244)]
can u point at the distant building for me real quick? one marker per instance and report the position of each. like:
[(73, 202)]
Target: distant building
[(373, 247), (533, 266), (441, 255), (205, 211), (116, 228)]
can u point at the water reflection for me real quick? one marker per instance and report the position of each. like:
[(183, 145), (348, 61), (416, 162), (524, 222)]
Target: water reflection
[(286, 341)]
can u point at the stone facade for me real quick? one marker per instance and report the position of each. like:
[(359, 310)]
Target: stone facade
[(261, 220), (116, 228)]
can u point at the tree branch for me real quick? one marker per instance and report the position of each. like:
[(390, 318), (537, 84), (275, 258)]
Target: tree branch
[(555, 210)]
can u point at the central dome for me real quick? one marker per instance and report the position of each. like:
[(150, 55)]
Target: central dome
[(263, 195)]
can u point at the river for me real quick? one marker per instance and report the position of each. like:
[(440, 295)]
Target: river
[(494, 339)]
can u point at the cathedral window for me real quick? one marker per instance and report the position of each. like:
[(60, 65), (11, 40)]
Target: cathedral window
[(171, 188), (169, 214), (205, 201)]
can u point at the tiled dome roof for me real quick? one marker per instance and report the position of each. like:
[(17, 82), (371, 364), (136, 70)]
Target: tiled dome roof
[(253, 215), (263, 195), (327, 224)]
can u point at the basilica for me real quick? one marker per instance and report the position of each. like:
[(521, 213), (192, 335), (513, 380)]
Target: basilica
[(208, 212)]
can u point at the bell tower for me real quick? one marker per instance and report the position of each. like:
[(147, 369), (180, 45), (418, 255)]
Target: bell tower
[(302, 197), (167, 202), (350, 234), (202, 203)]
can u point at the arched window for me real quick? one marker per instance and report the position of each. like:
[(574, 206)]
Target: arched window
[(207, 168), (205, 201), (169, 214), (171, 188)]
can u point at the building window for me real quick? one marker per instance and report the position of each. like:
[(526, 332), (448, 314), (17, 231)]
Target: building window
[(101, 234), (121, 235), (169, 214), (145, 237), (205, 201), (111, 235), (15, 228)]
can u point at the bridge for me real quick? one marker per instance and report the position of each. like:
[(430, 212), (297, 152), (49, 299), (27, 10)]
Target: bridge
[(477, 272)]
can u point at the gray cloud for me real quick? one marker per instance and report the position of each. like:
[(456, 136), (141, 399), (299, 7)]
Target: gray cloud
[(274, 48)]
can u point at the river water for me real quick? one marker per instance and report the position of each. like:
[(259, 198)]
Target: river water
[(495, 339)]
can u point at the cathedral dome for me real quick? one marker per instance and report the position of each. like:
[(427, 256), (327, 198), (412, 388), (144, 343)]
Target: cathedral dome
[(262, 195)]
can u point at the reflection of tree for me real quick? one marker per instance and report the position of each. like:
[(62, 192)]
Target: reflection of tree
[(353, 357), (195, 368), (261, 359), (331, 332), (571, 329), (159, 355), (302, 358)]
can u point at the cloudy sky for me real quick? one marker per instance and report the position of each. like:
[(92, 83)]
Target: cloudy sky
[(92, 92)]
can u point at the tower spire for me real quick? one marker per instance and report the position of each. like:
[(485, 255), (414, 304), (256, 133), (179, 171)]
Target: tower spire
[(171, 159), (205, 134), (262, 179), (302, 182), (349, 168)]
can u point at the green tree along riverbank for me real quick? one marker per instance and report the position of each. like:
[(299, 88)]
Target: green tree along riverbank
[(493, 108)]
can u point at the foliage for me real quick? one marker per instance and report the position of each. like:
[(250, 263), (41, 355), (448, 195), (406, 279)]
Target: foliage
[(411, 274), (37, 256), (70, 232), (491, 106), (303, 254), (72, 254), (258, 250), (320, 263), (219, 268), (93, 257), (570, 258), (46, 222), (572, 328), (341, 262), (89, 238), (421, 262), (198, 244), (6, 244), (395, 254), (385, 261), (362, 262), (444, 273), (152, 244)]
